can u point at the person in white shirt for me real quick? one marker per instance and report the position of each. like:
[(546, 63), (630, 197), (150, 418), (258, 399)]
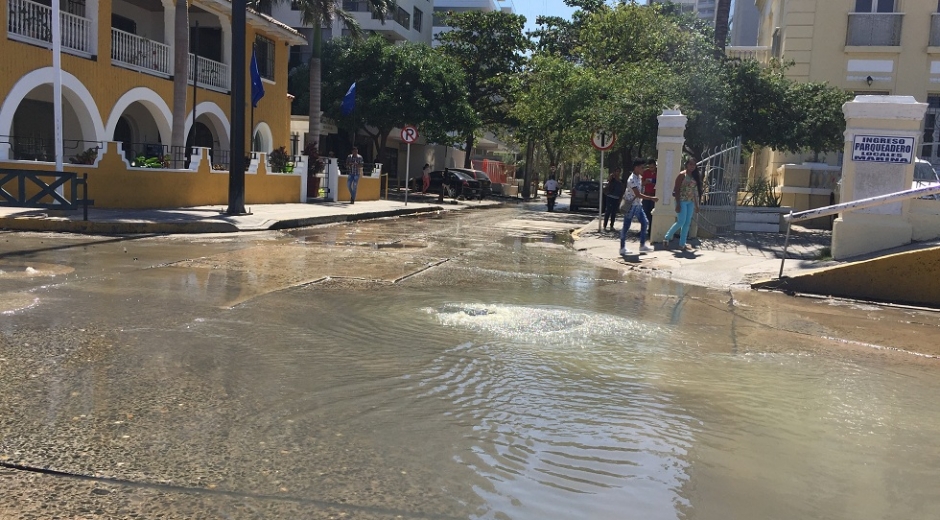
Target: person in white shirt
[(551, 189), (632, 206)]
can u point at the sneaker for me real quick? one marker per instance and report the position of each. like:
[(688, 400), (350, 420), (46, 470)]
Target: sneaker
[(646, 248), (624, 251)]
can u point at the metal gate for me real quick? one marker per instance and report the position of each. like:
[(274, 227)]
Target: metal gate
[(721, 174)]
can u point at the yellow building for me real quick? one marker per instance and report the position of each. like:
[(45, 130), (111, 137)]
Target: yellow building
[(117, 80), (864, 46)]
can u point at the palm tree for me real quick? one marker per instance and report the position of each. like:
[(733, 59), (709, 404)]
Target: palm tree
[(722, 16), (180, 74), (316, 14)]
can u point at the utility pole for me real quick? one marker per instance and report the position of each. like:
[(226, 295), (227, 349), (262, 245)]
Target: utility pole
[(236, 174)]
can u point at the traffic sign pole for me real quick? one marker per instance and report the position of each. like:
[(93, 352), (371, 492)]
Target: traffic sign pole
[(601, 198), (407, 171), (409, 134)]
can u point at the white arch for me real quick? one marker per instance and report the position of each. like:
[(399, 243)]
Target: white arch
[(73, 91), (161, 113), (216, 116), (267, 138)]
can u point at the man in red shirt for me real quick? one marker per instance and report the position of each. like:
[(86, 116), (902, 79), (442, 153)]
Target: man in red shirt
[(649, 188)]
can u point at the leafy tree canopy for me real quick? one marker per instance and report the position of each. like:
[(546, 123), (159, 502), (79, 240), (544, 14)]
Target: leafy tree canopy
[(395, 85)]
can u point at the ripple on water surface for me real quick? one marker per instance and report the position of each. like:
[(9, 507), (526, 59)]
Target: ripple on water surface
[(559, 402)]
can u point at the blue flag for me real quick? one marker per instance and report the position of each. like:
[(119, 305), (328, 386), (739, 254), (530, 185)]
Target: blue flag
[(349, 100), (257, 86)]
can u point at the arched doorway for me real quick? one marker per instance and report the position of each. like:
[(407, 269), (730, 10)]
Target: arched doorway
[(139, 132)]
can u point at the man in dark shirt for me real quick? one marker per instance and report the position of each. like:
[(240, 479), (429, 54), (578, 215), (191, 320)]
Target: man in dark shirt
[(612, 194), (649, 188)]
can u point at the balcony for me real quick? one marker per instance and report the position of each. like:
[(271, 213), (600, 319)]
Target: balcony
[(212, 74), (31, 22), (874, 29), (135, 52), (759, 54), (935, 30)]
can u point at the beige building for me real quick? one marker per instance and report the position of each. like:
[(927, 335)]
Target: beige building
[(864, 46)]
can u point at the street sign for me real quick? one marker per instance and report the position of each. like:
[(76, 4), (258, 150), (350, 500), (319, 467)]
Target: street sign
[(409, 134), (603, 140)]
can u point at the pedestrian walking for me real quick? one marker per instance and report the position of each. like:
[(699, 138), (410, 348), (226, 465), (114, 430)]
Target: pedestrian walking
[(425, 178), (687, 192), (649, 188), (353, 172), (632, 206), (613, 192)]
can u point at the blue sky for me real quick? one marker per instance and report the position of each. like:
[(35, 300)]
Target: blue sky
[(533, 8)]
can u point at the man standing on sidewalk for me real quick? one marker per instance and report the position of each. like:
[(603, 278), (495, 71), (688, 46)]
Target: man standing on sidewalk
[(633, 207), (353, 171)]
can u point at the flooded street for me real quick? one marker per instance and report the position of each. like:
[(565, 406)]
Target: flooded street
[(467, 365)]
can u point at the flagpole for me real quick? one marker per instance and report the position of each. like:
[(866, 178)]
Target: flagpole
[(251, 131), (236, 178), (57, 83), (195, 81)]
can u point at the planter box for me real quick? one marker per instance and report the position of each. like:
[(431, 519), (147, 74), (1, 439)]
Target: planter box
[(760, 220)]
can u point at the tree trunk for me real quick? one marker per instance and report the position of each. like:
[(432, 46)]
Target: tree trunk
[(722, 17), (180, 74), (466, 159), (314, 125)]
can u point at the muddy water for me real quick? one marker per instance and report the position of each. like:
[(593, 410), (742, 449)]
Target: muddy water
[(436, 368)]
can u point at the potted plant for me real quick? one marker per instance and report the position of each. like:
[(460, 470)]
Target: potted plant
[(314, 166), (278, 160), (86, 157)]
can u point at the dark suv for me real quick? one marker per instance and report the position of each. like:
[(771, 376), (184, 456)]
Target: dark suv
[(486, 185), (585, 194), (456, 183)]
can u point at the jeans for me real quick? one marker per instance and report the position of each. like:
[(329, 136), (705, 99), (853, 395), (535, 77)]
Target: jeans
[(635, 210), (683, 222), (352, 182), (648, 206), (611, 206)]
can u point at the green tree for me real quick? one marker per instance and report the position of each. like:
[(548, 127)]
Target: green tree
[(317, 14), (490, 48), (722, 18), (396, 85), (819, 123)]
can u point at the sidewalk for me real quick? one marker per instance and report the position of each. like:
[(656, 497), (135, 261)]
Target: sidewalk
[(212, 219), (737, 259)]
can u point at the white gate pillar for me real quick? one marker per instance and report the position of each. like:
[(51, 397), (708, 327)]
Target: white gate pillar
[(669, 142), (880, 143)]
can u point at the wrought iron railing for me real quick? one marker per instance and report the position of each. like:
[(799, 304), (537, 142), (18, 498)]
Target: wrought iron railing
[(138, 53), (32, 22), (874, 29), (43, 149)]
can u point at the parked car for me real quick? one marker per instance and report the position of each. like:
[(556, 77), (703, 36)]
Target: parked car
[(925, 175), (486, 185), (585, 194), (456, 183)]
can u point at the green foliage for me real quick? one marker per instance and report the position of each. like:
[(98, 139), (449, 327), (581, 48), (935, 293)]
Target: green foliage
[(151, 162), (279, 161), (490, 49), (395, 85), (819, 123), (761, 192), (298, 84)]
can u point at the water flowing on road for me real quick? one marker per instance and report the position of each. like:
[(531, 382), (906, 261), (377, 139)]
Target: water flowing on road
[(464, 366)]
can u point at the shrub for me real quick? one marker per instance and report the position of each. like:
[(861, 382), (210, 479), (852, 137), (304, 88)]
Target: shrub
[(151, 162), (761, 192), (278, 160)]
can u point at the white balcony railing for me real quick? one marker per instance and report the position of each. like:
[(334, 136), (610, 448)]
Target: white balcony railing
[(31, 22), (212, 74), (935, 30), (759, 54), (874, 29), (134, 52)]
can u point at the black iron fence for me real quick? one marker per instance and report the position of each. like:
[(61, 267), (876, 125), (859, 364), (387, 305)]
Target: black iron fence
[(75, 151)]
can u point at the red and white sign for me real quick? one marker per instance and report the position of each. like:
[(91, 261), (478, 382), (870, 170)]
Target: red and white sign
[(603, 140), (409, 134)]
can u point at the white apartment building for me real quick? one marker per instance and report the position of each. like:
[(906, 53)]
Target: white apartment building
[(704, 9), (457, 6), (410, 21)]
